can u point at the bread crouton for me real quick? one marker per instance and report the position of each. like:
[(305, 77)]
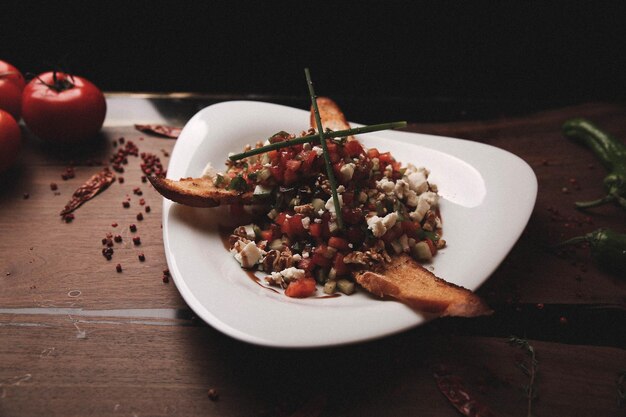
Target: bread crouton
[(331, 116), (198, 192), (407, 281)]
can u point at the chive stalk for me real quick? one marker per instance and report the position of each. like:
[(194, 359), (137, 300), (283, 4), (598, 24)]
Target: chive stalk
[(316, 137), (329, 167)]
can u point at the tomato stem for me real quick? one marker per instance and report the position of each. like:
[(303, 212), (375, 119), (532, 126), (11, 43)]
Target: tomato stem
[(59, 85)]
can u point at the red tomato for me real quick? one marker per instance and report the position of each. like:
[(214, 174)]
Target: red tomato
[(301, 288), (11, 86), (340, 267), (63, 108), (10, 137), (353, 148), (338, 243)]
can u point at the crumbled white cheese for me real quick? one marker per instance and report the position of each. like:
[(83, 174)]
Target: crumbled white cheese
[(341, 189), (332, 226), (296, 257), (401, 188), (411, 198), (330, 204), (288, 275), (390, 220), (420, 210), (249, 255), (417, 181), (385, 186), (249, 231), (318, 150), (375, 164), (430, 197), (375, 224), (347, 171), (317, 220), (306, 222)]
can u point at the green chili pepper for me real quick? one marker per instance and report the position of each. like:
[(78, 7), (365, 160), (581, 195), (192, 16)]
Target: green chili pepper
[(612, 154), (608, 249)]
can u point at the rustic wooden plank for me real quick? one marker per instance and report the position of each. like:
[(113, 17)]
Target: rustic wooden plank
[(45, 262), (72, 366)]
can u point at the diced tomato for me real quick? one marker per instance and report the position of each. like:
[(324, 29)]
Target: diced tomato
[(292, 226), (348, 197), (301, 288), (362, 170), (321, 260), (273, 156), (431, 246), (373, 153), (338, 243), (315, 229), (290, 176), (352, 216), (339, 265), (308, 161), (353, 148), (280, 219), (392, 234), (355, 235), (267, 235), (386, 158), (296, 228), (277, 172), (331, 147), (306, 264), (411, 229), (293, 165), (337, 169)]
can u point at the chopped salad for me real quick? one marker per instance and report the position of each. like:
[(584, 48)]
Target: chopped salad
[(386, 209)]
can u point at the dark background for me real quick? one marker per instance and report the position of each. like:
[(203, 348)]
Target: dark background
[(417, 60)]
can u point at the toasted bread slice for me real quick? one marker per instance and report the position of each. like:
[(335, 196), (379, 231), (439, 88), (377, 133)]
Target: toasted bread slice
[(331, 116), (407, 281), (198, 192)]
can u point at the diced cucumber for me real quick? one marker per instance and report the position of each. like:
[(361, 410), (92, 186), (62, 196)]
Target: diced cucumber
[(421, 251), (263, 174), (321, 276), (318, 204), (276, 244), (345, 286), (330, 287)]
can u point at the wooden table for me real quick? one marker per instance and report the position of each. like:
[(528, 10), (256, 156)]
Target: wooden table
[(78, 338)]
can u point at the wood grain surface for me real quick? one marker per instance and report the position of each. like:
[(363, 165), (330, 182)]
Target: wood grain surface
[(78, 338)]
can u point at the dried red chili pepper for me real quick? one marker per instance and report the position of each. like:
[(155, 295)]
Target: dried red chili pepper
[(94, 185), (160, 130), (453, 388)]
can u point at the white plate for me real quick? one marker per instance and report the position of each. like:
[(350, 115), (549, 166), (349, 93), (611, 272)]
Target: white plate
[(487, 197)]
